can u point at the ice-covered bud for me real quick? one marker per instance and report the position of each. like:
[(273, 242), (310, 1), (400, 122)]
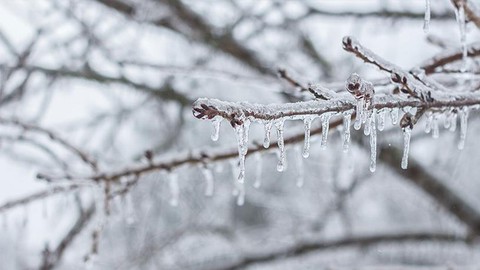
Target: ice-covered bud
[(353, 85)]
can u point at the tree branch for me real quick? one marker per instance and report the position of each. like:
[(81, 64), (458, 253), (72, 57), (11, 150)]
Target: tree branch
[(359, 241)]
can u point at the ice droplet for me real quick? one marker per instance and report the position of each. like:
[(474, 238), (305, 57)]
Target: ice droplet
[(347, 118), (306, 146), (174, 188), (325, 126), (463, 127), (241, 194), (268, 129), (407, 132), (281, 145), (216, 128), (373, 141), (258, 172), (426, 23), (209, 181)]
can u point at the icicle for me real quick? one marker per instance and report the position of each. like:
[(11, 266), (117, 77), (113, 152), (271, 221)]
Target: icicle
[(359, 114), (463, 127), (373, 141), (306, 147), (407, 132), (447, 120), (209, 181), (130, 216), (242, 140), (394, 116), (347, 118), (435, 128), (426, 23), (268, 128), (241, 194), (174, 188), (258, 172), (325, 126), (368, 126), (460, 15), (381, 120), (428, 122), (301, 173), (453, 122), (216, 128), (281, 145)]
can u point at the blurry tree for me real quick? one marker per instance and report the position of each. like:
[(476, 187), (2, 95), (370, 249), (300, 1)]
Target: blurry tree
[(96, 99)]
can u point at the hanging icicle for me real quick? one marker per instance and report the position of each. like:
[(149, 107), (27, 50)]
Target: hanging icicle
[(281, 145), (209, 181), (216, 128), (306, 147), (407, 132), (435, 127), (347, 118), (381, 119), (394, 115), (460, 15), (359, 112), (325, 118), (426, 23), (300, 170), (174, 188), (463, 127), (268, 129), (258, 172), (242, 140), (373, 141)]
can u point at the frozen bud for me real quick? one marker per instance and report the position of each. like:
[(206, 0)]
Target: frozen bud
[(353, 84), (367, 90)]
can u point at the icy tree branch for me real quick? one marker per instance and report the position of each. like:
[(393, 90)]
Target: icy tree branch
[(360, 241), (54, 137), (37, 196)]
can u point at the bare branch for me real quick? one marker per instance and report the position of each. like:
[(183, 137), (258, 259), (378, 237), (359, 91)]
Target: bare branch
[(359, 241)]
